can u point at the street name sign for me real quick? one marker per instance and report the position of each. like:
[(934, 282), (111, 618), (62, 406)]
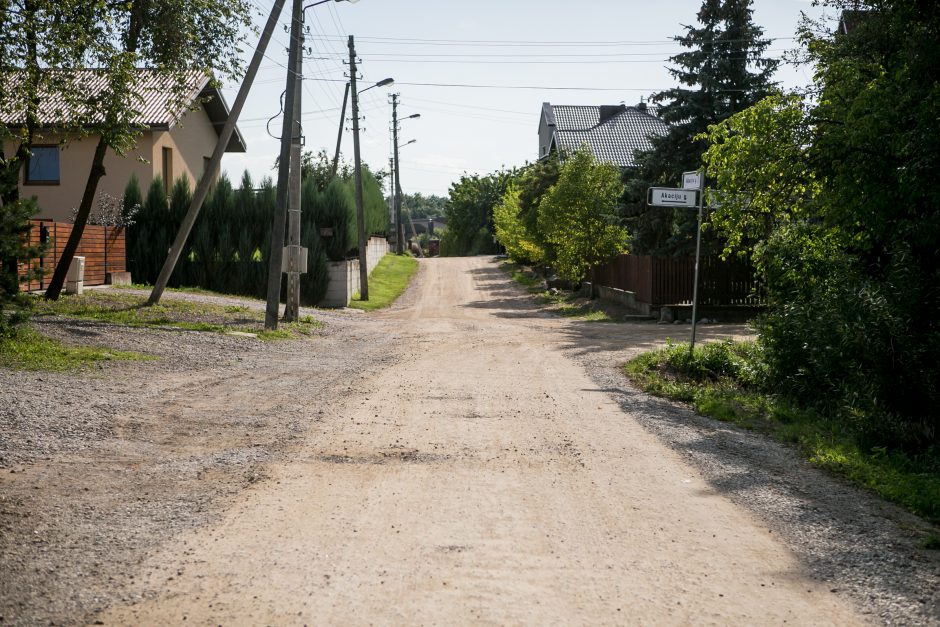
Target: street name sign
[(691, 180), (669, 197)]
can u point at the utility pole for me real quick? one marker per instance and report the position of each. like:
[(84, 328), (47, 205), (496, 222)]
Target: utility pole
[(212, 169), (339, 135), (399, 231), (296, 262), (360, 215), (283, 174), (393, 218)]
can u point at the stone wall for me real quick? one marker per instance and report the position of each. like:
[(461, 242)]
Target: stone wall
[(344, 275)]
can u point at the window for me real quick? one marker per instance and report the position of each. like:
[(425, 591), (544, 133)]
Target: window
[(168, 170), (42, 168)]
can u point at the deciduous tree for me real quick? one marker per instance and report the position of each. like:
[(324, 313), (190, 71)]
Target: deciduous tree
[(577, 216)]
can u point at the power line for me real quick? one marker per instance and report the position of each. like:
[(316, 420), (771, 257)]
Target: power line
[(536, 43), (535, 87)]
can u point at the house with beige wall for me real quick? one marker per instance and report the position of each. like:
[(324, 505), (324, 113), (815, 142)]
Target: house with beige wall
[(174, 142)]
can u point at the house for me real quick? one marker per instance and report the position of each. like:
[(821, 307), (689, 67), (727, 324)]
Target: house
[(614, 133), (174, 142)]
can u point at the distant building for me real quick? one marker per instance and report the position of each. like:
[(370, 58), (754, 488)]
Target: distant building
[(175, 142), (614, 133)]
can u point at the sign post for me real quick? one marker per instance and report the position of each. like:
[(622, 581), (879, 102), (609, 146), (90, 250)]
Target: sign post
[(690, 196), (698, 180)]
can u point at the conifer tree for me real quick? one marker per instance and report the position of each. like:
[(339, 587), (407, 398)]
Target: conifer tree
[(723, 71)]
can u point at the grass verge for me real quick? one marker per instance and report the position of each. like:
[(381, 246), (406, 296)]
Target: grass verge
[(722, 381), (25, 349), (387, 282), (114, 307)]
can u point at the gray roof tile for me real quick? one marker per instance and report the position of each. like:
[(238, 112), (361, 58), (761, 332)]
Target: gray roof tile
[(617, 140)]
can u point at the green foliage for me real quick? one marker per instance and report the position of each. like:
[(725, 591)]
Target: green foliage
[(420, 206), (733, 382), (512, 233), (758, 160), (722, 72), (576, 216), (14, 227), (844, 342), (25, 349), (387, 282), (229, 245), (831, 203), (469, 213)]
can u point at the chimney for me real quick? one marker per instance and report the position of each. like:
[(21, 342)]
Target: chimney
[(609, 111), (642, 105)]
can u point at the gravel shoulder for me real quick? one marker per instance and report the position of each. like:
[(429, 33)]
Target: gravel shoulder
[(100, 467)]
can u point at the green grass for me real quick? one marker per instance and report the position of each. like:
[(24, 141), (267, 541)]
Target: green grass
[(723, 380), (387, 282), (115, 307), (25, 349)]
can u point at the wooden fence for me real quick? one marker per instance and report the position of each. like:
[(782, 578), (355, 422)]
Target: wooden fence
[(103, 248), (669, 281)]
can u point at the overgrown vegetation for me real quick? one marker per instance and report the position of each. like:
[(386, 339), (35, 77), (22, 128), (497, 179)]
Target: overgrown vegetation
[(387, 282), (829, 201), (733, 382), (25, 349)]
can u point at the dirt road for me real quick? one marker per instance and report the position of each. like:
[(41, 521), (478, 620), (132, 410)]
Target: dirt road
[(480, 478)]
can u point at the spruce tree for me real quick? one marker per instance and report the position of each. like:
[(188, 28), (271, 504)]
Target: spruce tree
[(723, 71)]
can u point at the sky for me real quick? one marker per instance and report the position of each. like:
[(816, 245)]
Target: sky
[(510, 56)]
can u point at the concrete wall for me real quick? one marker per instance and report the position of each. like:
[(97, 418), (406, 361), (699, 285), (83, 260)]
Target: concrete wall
[(191, 140), (344, 275)]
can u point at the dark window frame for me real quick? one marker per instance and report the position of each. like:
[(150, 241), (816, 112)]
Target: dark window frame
[(56, 181)]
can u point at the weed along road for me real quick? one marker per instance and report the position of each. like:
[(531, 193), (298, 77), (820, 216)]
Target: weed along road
[(482, 477)]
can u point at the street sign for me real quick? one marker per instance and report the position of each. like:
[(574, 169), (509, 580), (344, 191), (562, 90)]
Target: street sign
[(669, 197), (691, 180)]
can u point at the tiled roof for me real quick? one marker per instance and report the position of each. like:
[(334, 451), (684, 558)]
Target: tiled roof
[(616, 140), (157, 108)]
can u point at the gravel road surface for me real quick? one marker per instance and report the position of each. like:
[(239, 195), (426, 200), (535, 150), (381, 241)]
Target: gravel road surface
[(462, 458)]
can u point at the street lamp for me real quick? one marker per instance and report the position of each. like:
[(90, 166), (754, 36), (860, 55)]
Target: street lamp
[(399, 229), (342, 116), (313, 4)]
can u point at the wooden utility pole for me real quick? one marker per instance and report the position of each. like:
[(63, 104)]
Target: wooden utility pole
[(212, 169), (276, 257), (296, 264), (360, 214), (393, 216), (400, 231), (339, 135)]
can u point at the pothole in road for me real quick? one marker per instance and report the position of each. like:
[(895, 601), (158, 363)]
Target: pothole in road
[(387, 457)]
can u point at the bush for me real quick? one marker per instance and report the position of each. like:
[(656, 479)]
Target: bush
[(844, 342)]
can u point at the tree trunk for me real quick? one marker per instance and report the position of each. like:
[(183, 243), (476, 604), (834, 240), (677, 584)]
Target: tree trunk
[(78, 229), (132, 40)]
